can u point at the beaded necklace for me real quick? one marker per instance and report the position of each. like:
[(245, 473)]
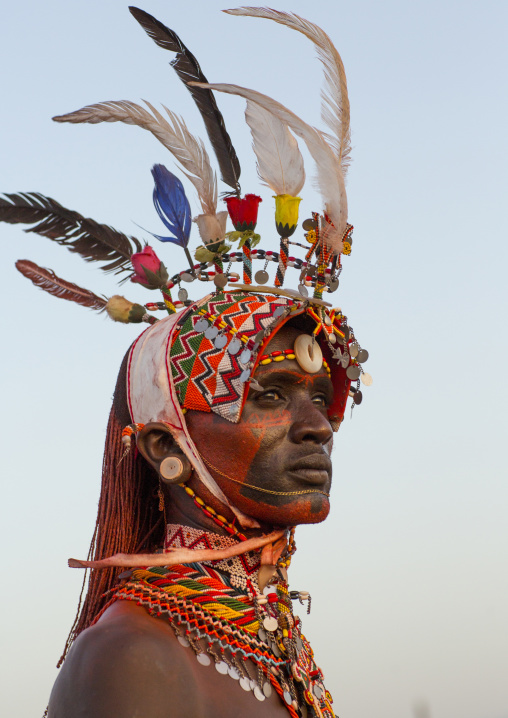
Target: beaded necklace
[(217, 609)]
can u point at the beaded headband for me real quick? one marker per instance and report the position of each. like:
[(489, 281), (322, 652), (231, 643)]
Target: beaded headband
[(220, 339)]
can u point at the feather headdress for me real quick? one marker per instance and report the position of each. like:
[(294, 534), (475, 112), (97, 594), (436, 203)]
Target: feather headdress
[(330, 179), (335, 109), (93, 241), (173, 133), (187, 68), (280, 163)]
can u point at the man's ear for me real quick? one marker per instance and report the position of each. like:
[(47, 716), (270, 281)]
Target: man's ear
[(155, 442)]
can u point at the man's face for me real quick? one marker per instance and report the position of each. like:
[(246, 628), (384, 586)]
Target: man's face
[(281, 445)]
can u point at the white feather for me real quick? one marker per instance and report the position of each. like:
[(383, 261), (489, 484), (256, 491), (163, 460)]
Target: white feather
[(330, 179), (335, 108), (280, 163), (188, 150)]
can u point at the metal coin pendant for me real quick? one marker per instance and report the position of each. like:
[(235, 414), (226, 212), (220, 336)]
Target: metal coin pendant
[(267, 689), (221, 667), (344, 360), (201, 325), (259, 694), (275, 650), (317, 690), (353, 372), (262, 634), (288, 697), (233, 673), (211, 333), (332, 339), (270, 623), (187, 277), (245, 356), (363, 355), (279, 312), (183, 641), (245, 375), (245, 683), (303, 290), (366, 379), (309, 224), (334, 285), (253, 684), (261, 277), (204, 659), (234, 346), (221, 341), (259, 336), (220, 280), (358, 397), (353, 350), (299, 644), (183, 294)]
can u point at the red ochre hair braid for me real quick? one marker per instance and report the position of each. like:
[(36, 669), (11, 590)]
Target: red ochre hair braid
[(128, 516)]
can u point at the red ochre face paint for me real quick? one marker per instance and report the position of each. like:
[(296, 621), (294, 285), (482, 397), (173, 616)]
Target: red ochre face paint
[(281, 444)]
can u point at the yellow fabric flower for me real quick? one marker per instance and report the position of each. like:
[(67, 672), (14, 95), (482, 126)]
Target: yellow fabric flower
[(286, 214)]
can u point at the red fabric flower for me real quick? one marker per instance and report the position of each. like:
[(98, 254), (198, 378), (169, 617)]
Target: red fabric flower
[(243, 212), (148, 269)]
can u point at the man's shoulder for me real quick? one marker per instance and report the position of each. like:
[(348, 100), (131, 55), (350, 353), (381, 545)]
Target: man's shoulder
[(129, 664)]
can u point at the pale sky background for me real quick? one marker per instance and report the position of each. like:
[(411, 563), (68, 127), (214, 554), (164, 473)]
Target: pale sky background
[(408, 576)]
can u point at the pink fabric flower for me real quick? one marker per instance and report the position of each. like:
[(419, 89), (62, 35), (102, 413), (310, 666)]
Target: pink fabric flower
[(148, 269)]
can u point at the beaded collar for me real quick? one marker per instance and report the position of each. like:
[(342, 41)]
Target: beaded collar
[(217, 610)]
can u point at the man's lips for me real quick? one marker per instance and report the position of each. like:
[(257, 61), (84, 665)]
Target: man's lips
[(313, 468)]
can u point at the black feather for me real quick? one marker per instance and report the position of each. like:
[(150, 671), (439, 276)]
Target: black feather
[(188, 69), (93, 241)]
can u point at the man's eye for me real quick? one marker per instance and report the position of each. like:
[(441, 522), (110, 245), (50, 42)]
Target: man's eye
[(320, 400), (270, 395)]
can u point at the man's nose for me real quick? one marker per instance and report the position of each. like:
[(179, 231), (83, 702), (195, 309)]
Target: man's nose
[(310, 424)]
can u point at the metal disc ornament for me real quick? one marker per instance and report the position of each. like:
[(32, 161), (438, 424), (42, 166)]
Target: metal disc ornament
[(358, 397), (233, 673), (201, 325), (234, 346), (221, 341), (221, 667), (261, 277), (259, 336), (334, 285), (267, 689), (317, 690), (262, 634), (204, 659), (245, 683), (245, 356), (353, 372), (245, 375), (270, 623), (183, 294), (187, 277), (363, 355), (353, 350), (332, 339), (309, 224), (211, 333), (183, 641), (303, 290), (366, 379), (279, 312), (220, 280), (288, 697), (259, 693), (344, 360), (299, 644)]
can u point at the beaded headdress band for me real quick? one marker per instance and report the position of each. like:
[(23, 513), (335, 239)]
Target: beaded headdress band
[(217, 342)]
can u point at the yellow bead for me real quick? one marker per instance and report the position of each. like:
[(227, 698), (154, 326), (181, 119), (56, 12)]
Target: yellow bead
[(200, 501), (281, 358), (265, 361), (221, 518)]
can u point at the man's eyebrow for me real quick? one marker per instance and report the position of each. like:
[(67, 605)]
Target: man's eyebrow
[(290, 376)]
